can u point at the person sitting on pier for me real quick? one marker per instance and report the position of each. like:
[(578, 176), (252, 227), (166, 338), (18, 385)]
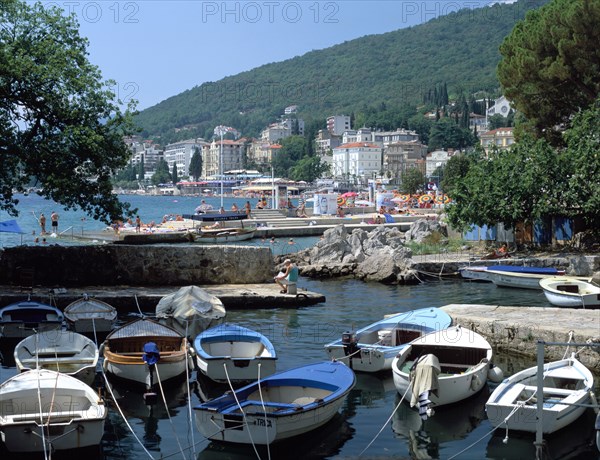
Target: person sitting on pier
[(289, 276), (499, 253)]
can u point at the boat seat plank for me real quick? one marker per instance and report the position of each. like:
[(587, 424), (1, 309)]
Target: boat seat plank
[(33, 361), (550, 391)]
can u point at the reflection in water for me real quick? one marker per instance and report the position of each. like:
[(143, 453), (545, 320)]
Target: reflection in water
[(131, 402), (449, 423), (321, 443), (572, 442)]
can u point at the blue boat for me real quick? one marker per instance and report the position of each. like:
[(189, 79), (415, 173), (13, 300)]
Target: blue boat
[(485, 273), (279, 407), (21, 319), (373, 348), (233, 353)]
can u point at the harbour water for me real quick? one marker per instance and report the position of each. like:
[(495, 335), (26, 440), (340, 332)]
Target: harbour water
[(299, 336), (368, 425)]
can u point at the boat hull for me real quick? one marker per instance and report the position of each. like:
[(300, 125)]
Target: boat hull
[(281, 406), (72, 415), (571, 293), (236, 370), (75, 434), (262, 430), (224, 236), (464, 362), (379, 343), (88, 315), (513, 405), (137, 371), (230, 352), (62, 351)]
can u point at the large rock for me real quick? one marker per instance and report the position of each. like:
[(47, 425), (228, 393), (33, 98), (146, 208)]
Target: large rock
[(379, 255), (427, 230)]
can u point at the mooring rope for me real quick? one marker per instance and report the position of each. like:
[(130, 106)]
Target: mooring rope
[(167, 409), (241, 410)]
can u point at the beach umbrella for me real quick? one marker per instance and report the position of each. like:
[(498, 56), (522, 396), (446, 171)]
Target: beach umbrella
[(348, 194)]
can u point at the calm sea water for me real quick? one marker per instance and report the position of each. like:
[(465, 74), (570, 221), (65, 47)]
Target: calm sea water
[(461, 431), (299, 336), (150, 208)]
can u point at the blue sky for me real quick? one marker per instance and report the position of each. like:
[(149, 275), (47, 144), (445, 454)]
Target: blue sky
[(155, 49)]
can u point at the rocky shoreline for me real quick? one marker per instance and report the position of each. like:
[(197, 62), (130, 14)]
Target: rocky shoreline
[(382, 255)]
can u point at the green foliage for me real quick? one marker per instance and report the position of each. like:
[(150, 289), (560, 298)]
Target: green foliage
[(550, 67), (447, 134), (308, 169), (413, 179), (59, 122), (583, 156), (196, 164), (293, 149), (174, 176), (456, 168), (161, 175), (516, 185), (394, 68)]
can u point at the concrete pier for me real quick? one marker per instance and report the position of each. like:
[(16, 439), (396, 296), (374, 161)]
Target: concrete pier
[(127, 298), (517, 330)]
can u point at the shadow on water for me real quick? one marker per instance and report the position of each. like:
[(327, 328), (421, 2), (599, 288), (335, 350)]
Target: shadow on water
[(425, 438), (324, 442), (575, 441)]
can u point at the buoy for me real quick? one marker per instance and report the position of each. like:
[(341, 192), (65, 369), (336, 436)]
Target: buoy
[(475, 382), (495, 374)]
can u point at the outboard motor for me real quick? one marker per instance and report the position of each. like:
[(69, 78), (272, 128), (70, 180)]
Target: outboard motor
[(350, 342), (151, 356)]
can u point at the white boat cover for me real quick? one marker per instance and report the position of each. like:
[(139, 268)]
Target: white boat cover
[(193, 307)]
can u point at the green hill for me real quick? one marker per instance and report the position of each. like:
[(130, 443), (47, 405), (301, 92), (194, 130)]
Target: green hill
[(394, 68)]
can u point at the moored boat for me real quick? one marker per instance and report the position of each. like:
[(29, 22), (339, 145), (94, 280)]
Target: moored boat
[(61, 351), (222, 230), (233, 353), (26, 317), (278, 407), (525, 279), (571, 292), (190, 310), (486, 273), (43, 410), (442, 367), (137, 350), (567, 386), (89, 315), (374, 347)]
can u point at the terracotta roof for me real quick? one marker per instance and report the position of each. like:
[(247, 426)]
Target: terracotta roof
[(498, 130)]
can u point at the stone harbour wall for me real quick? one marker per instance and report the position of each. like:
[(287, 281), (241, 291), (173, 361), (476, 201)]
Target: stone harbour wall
[(152, 265)]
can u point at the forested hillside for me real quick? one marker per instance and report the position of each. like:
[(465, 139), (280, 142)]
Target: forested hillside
[(393, 69)]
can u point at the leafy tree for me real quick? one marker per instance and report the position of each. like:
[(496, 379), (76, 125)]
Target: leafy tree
[(196, 164), (550, 67), (456, 168), (59, 122), (446, 134), (293, 149), (413, 179), (174, 176), (309, 169), (516, 185), (582, 154), (161, 175)]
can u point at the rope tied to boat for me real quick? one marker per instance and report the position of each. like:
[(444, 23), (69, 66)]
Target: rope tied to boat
[(571, 336), (241, 410), (386, 422), (167, 410)]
